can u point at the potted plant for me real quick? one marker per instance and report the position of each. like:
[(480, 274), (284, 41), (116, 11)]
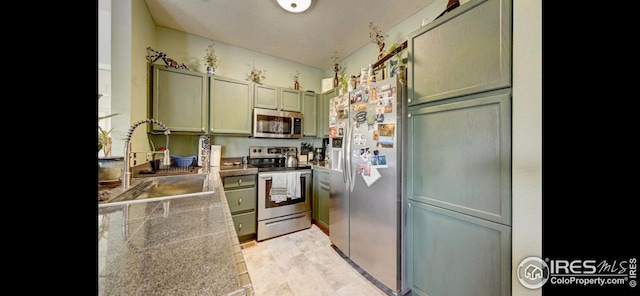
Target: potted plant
[(296, 84), (377, 38), (104, 136), (210, 59), (109, 168), (256, 75), (398, 68)]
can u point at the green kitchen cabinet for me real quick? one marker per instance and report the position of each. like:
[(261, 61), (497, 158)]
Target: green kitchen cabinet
[(309, 111), (174, 94), (323, 112), (231, 106), (242, 199), (449, 253), (466, 51), (459, 154), (320, 198), (277, 98), (459, 195), (458, 186)]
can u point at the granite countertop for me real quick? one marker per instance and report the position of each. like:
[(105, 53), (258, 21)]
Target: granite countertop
[(237, 170), (319, 165), (181, 246)]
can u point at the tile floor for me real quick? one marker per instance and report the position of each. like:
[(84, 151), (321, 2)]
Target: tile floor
[(303, 263)]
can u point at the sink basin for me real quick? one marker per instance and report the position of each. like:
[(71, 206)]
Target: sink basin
[(164, 187)]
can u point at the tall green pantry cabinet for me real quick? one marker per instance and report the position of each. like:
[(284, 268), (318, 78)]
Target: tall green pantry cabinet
[(459, 153)]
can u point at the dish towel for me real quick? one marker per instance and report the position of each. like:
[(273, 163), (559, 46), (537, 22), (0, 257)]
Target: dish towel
[(284, 186), (278, 192), (293, 184)]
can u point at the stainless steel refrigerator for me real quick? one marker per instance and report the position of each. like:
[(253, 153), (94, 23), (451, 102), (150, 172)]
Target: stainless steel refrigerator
[(366, 167)]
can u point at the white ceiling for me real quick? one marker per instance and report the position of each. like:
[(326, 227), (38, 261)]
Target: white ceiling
[(311, 37)]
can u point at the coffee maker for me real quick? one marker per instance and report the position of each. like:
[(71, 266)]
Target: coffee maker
[(320, 152)]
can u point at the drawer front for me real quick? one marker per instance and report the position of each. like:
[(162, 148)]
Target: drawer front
[(244, 223), (241, 200), (239, 181), (283, 225)]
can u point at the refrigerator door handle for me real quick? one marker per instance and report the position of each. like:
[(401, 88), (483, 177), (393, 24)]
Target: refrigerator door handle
[(343, 162), (349, 170)]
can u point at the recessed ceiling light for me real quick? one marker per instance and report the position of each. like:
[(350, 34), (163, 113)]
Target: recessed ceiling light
[(295, 5)]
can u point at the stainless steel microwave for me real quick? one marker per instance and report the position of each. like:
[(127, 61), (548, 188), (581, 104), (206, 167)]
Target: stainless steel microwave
[(277, 124)]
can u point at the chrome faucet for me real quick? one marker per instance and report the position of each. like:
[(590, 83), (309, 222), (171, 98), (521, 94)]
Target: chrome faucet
[(166, 160)]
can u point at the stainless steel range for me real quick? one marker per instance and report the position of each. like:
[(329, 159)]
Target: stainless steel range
[(284, 191)]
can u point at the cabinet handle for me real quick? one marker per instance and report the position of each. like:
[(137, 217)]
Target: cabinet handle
[(409, 205), (409, 115), (239, 200), (409, 100), (239, 225), (239, 181)]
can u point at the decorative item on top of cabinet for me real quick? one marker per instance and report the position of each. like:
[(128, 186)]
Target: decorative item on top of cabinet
[(336, 69), (153, 55), (377, 37), (210, 59), (296, 84), (256, 75)]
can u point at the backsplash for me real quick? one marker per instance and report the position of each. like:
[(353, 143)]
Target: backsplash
[(185, 145)]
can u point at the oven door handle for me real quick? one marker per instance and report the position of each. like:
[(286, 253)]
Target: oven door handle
[(269, 176)]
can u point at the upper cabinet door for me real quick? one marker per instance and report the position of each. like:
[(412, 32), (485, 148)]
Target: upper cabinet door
[(323, 112), (231, 106), (468, 50), (290, 100), (265, 96), (277, 98), (309, 110), (176, 93)]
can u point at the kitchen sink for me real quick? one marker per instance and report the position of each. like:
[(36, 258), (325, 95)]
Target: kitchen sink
[(162, 187)]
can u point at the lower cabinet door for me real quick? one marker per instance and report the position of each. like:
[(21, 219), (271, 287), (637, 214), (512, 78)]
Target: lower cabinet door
[(245, 223), (323, 202), (449, 253)]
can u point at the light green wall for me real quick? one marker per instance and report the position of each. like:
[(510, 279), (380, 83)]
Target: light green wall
[(234, 62)]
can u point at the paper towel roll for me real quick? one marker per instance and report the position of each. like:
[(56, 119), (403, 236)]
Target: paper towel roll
[(216, 150)]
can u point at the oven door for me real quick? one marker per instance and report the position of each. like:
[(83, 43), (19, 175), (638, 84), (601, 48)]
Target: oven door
[(269, 207)]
